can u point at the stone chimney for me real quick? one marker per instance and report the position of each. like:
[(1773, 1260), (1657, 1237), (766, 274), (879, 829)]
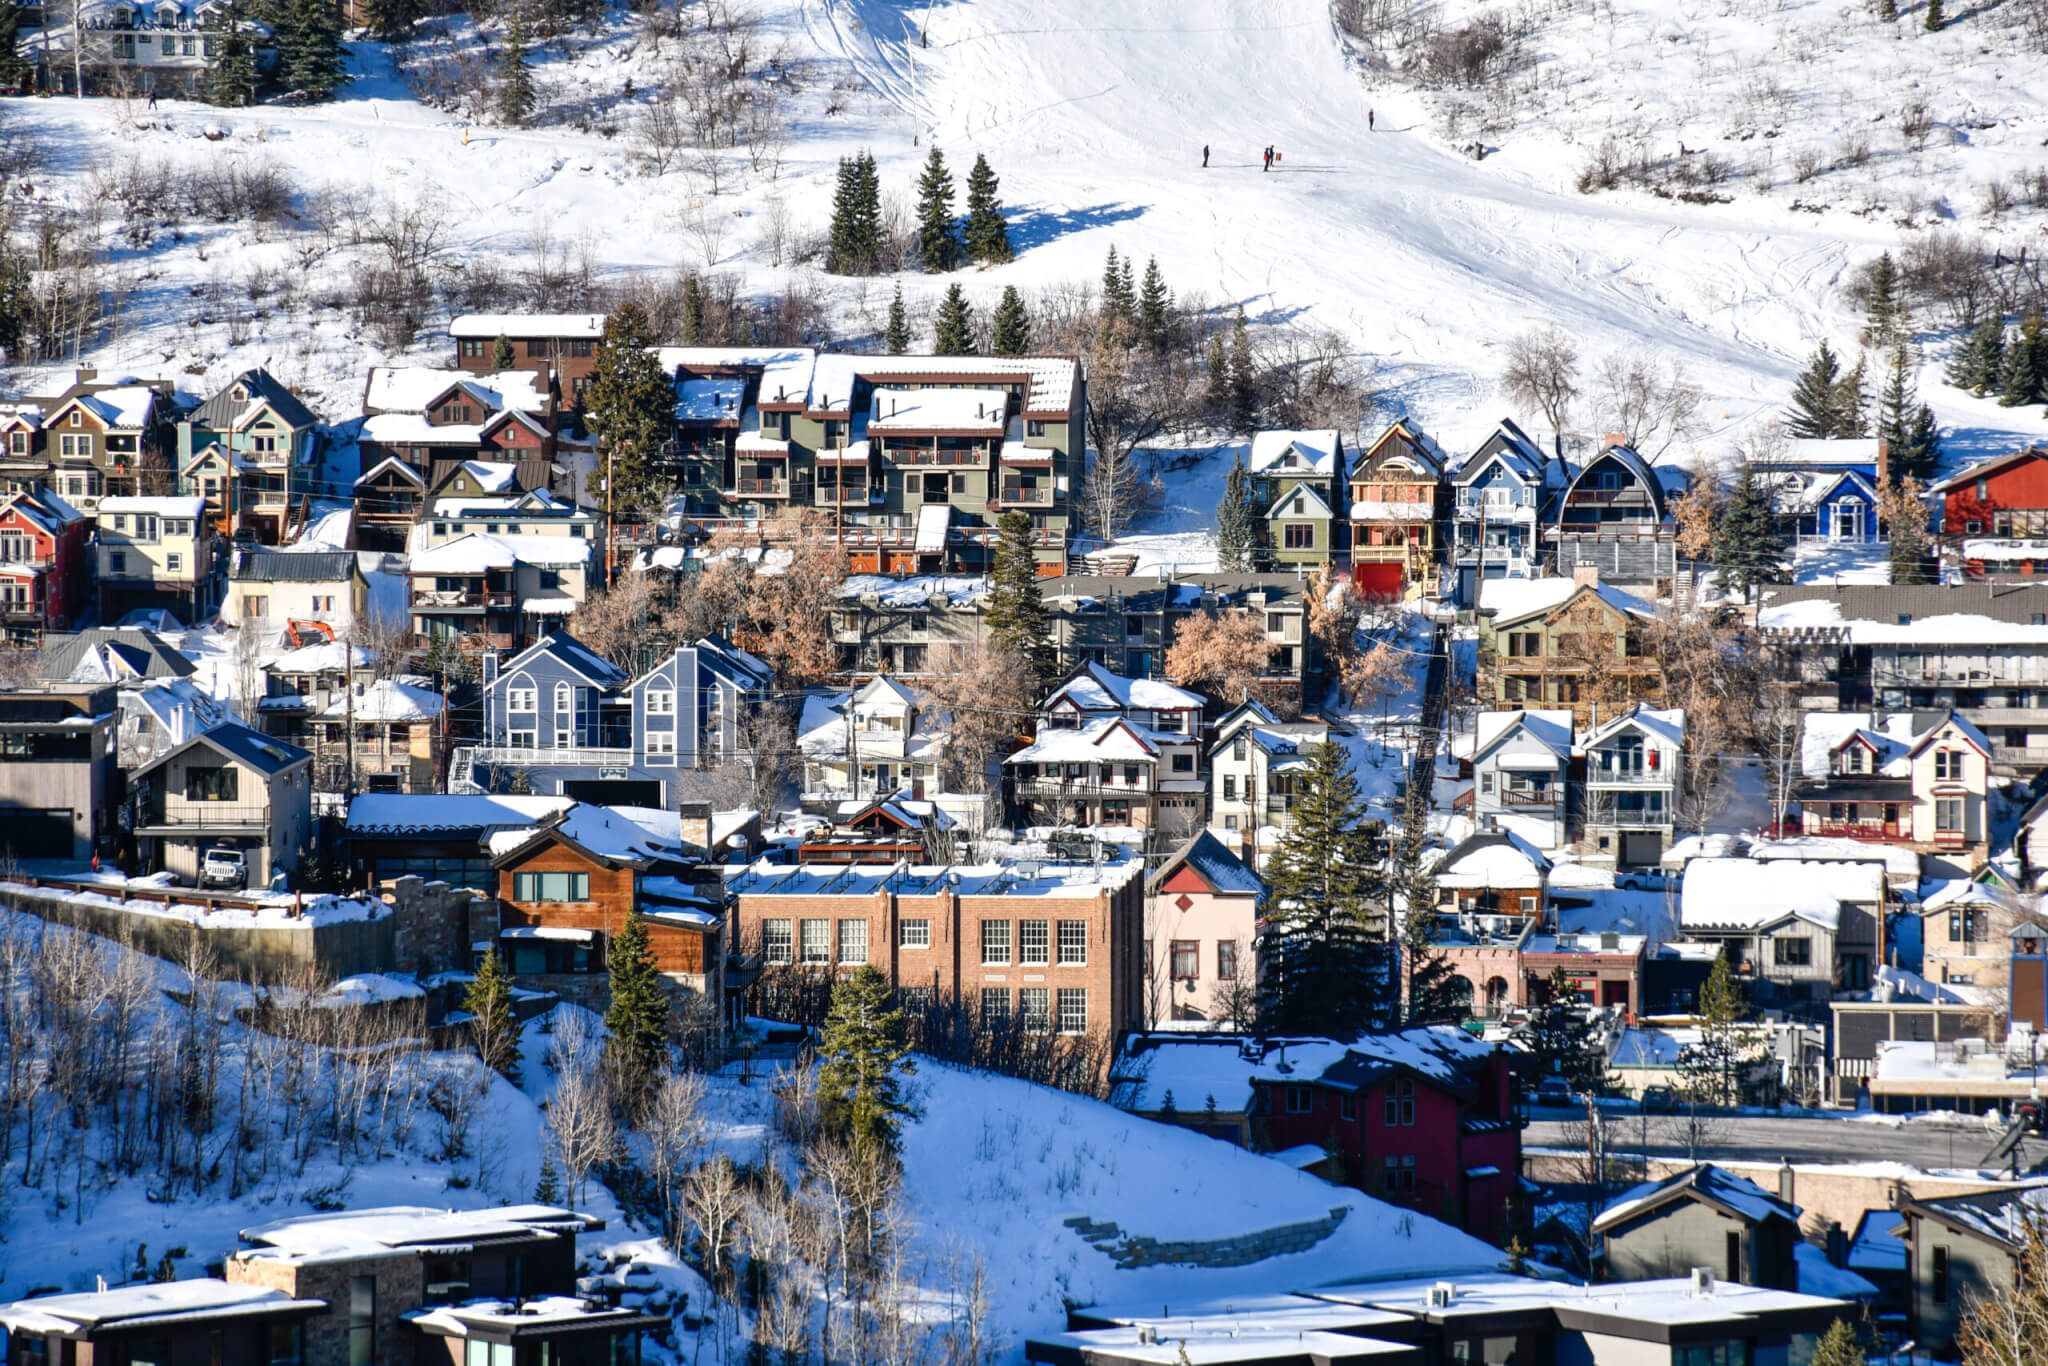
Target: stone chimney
[(1585, 576), (1613, 439), (696, 825)]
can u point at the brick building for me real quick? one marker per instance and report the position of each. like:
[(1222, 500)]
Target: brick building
[(1051, 946)]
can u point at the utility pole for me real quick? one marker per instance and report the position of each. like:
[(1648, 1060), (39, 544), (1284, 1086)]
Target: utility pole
[(611, 463)]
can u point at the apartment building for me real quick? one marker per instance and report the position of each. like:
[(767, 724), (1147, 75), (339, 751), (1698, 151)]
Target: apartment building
[(158, 553), (1114, 751)]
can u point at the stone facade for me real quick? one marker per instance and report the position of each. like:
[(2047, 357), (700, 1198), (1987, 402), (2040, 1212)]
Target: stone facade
[(400, 1285)]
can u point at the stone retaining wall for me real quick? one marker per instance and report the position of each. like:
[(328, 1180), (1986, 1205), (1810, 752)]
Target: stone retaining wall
[(1130, 1251)]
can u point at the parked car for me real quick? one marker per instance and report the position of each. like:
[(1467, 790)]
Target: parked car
[(1659, 1100), (1642, 880), (1553, 1091), (223, 868)]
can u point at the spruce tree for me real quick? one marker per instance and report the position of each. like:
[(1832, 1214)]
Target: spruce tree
[(1850, 403), (938, 242), (1217, 391), (515, 73), (1155, 305), (1713, 1067), (630, 406), (503, 356), (231, 82), (492, 1029), (636, 1023), (1244, 379), (1895, 405), (1748, 547), (1012, 325), (1432, 997), (1921, 451), (1934, 18), (547, 1190), (693, 310), (1813, 414), (2019, 370), (988, 236), (1975, 363), (1884, 311), (854, 246), (310, 54), (1326, 965), (953, 326), (392, 21), (13, 70), (1237, 522), (861, 1056), (1119, 306), (897, 335), (1838, 1347), (1561, 1038), (1014, 611)]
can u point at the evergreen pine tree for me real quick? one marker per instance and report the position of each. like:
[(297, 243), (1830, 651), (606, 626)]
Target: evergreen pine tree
[(2019, 370), (1884, 311), (630, 406), (636, 1024), (13, 70), (1713, 1066), (548, 1190), (489, 1003), (1127, 297), (1934, 19), (515, 73), (231, 82), (988, 236), (1432, 997), (839, 237), (1895, 404), (503, 356), (1837, 1347), (1974, 364), (1217, 392), (1920, 452), (1012, 325), (1748, 547), (1813, 414), (693, 310), (861, 1057), (938, 241), (953, 326), (1014, 611), (1326, 965), (1850, 403), (1562, 1040), (854, 246), (1244, 379), (310, 54), (897, 335), (1237, 522), (1155, 305), (392, 21), (1119, 307)]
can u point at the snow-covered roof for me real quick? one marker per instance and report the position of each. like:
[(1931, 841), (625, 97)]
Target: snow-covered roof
[(497, 1317), (126, 407), (1819, 1276), (1212, 861), (1513, 599), (785, 370), (479, 551), (1738, 1195), (1492, 860), (359, 1233), (1510, 445), (155, 1305), (1662, 723), (1751, 894), (1096, 689), (1893, 738), (709, 400), (1302, 452), (1104, 740), (585, 326), (1900, 864), (385, 702), (1048, 380), (1225, 1066), (604, 832), (410, 388), (1550, 728), (977, 412), (391, 813), (1826, 453), (766, 878), (1956, 628), (169, 505)]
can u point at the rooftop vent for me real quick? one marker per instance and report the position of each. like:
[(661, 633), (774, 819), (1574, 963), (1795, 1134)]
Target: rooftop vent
[(1442, 1294)]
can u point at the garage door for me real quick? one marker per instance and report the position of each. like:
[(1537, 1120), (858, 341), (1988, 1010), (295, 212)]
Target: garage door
[(1641, 849), (615, 791), (30, 833)]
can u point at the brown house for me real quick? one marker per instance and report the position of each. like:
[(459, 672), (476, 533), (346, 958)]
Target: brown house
[(1565, 642), (109, 440), (1050, 947), (173, 1323), (1398, 496), (564, 343)]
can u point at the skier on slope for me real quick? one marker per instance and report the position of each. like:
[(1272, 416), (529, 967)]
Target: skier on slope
[(1205, 156)]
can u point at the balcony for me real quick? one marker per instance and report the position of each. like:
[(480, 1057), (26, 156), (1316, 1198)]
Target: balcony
[(1629, 819), (760, 488), (1522, 796), (185, 818), (1013, 495), (917, 455), (1627, 777), (460, 599), (1080, 788), (1875, 832), (842, 495), (504, 756)]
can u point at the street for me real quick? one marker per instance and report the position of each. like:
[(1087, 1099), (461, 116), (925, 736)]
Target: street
[(1818, 1138)]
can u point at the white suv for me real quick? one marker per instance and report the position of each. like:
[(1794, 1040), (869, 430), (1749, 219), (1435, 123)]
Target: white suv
[(223, 868)]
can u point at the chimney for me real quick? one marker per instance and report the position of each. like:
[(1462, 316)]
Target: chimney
[(1613, 439), (1785, 1181), (1884, 461), (696, 824), (1585, 576)]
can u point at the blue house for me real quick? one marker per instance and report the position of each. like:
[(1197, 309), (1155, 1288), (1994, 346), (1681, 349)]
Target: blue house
[(560, 719), (1500, 496), (1827, 505)]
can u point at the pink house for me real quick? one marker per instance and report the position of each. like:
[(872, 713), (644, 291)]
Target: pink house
[(1201, 919)]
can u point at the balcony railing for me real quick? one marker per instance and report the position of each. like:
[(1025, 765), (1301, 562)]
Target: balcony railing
[(1626, 777), (1012, 495), (204, 816), (457, 599), (1877, 832), (912, 455), (761, 488), (843, 494), (1080, 787), (1529, 797), (573, 757)]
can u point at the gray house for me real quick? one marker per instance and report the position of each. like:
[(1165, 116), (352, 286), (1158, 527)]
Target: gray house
[(1702, 1217), (1499, 497), (1962, 1248), (558, 718), (58, 785), (1521, 768)]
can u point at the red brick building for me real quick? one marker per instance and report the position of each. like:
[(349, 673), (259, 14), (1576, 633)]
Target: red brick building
[(1422, 1118), (1050, 946)]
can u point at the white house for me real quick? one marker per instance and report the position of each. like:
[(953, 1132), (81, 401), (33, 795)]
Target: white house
[(1634, 775), (157, 552), (878, 739), (1521, 771)]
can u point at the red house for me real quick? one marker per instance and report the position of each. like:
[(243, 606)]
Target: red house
[(2003, 499), (1423, 1118), (44, 576)]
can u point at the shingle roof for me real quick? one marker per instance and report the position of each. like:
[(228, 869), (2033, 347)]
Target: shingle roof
[(1212, 859), (260, 564), (109, 653), (259, 386)]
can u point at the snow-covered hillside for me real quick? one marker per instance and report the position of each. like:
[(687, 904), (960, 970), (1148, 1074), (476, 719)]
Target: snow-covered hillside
[(1096, 118)]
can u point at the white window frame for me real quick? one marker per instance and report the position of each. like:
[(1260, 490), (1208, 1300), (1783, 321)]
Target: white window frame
[(661, 702), (914, 934), (850, 944), (523, 700)]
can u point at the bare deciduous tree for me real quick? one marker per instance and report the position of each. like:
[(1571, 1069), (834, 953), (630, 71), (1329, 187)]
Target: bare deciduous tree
[(1221, 653), (1542, 372), (1648, 405)]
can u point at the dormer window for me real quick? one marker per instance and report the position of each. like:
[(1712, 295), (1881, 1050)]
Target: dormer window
[(1948, 765), (239, 394), (1855, 759)]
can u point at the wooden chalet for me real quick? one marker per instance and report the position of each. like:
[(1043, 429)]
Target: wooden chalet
[(1397, 498)]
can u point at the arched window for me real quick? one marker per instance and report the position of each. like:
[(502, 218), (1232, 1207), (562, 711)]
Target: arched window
[(565, 714), (1496, 994)]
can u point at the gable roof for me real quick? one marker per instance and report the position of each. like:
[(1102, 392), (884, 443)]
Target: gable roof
[(2002, 1216), (1893, 738), (1664, 723), (392, 462), (1732, 1195), (1094, 687), (262, 564), (1510, 446), (1301, 501), (1551, 729), (260, 389), (1214, 863), (1313, 452), (242, 744), (572, 653), (1492, 859), (1984, 469), (1411, 446), (1746, 895), (1093, 743), (1533, 601), (110, 654)]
